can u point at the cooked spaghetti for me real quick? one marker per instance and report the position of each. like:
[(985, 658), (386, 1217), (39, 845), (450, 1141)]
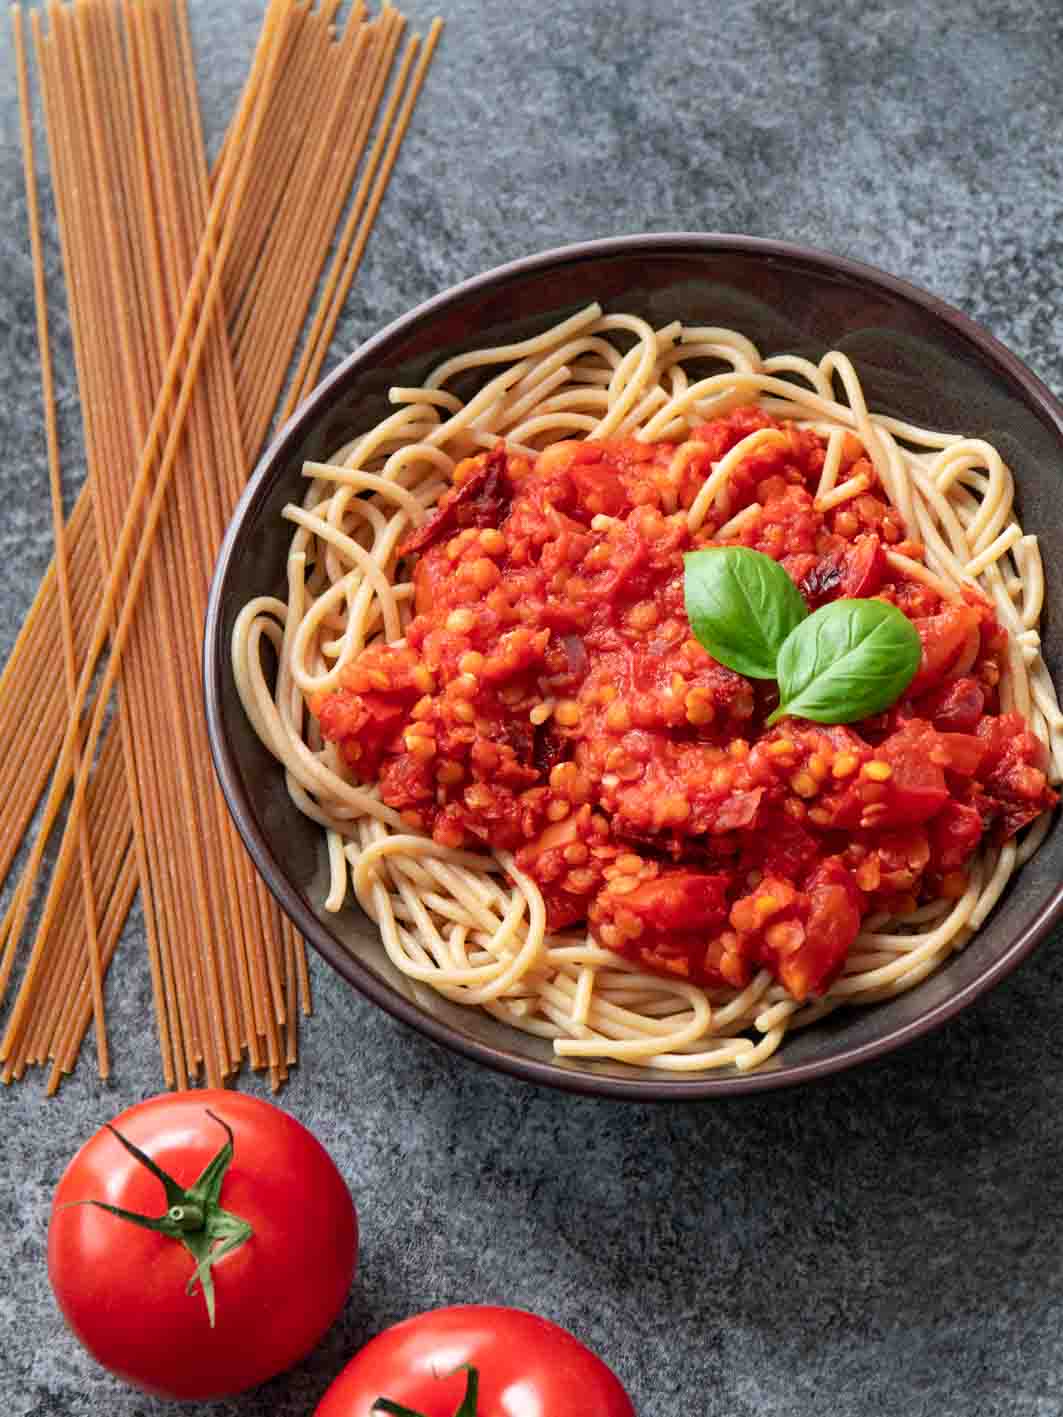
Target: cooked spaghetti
[(550, 799)]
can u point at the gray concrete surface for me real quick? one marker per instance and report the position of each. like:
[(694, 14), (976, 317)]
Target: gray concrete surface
[(887, 1243)]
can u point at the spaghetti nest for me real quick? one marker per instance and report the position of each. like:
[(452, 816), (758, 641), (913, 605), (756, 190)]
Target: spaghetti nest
[(496, 930)]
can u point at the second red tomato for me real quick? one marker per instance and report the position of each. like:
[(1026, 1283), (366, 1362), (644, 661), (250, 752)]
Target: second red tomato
[(527, 1367)]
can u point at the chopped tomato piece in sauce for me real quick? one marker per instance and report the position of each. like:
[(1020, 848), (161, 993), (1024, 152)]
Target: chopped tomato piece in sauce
[(948, 638), (834, 908), (955, 706), (664, 921), (550, 700)]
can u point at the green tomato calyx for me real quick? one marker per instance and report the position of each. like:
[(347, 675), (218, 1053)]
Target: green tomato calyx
[(468, 1402), (194, 1215)]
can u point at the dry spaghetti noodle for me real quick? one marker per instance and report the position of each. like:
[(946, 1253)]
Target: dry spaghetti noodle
[(127, 156)]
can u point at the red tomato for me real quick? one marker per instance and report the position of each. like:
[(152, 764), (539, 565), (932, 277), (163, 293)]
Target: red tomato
[(833, 923), (527, 1367), (849, 572), (1014, 772), (675, 913), (954, 833), (943, 638), (955, 706), (917, 789), (123, 1289), (965, 752)]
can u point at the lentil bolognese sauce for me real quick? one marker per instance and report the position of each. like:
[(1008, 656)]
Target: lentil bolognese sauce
[(551, 798)]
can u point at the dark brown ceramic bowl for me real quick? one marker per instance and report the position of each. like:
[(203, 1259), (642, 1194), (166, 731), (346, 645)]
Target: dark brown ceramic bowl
[(918, 359)]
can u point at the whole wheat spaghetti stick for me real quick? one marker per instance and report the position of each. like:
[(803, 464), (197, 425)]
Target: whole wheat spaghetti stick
[(144, 34), (238, 893), (109, 841), (36, 710), (278, 155), (303, 379), (90, 578), (301, 967), (110, 854), (113, 919), (292, 1027), (58, 527), (343, 266), (24, 772), (119, 108), (228, 458), (215, 443), (106, 435), (249, 890), (312, 60), (85, 580), (177, 565), (356, 113), (199, 301), (67, 967), (109, 448)]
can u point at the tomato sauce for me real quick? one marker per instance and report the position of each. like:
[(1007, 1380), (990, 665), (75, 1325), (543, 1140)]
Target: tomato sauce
[(551, 701)]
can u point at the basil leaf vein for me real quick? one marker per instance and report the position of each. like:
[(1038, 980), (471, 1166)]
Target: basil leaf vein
[(742, 606), (848, 660)]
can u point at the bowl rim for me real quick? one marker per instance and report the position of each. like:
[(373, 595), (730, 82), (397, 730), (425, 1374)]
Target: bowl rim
[(668, 1088)]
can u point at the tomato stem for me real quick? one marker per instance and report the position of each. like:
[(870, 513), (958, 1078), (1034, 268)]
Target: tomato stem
[(187, 1216), (468, 1406), (194, 1216)]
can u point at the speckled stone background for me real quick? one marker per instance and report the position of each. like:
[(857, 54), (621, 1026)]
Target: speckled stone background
[(888, 1242)]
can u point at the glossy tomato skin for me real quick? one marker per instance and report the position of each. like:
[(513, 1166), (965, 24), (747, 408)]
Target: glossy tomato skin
[(122, 1288), (528, 1367)]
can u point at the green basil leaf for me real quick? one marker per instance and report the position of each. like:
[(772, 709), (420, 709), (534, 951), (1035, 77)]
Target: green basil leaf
[(848, 660), (741, 606)]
